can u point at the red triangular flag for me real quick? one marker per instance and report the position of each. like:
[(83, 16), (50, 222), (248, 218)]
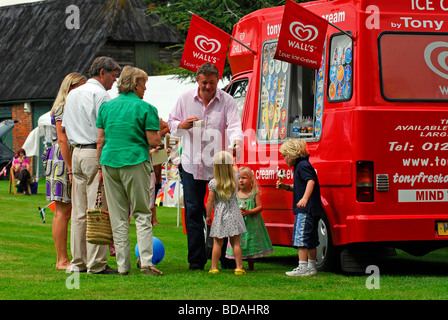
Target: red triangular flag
[(171, 191), (52, 206)]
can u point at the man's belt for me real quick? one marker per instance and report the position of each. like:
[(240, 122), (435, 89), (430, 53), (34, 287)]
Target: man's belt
[(86, 146)]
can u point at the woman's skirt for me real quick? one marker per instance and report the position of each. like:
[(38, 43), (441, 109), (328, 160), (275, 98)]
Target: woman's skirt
[(57, 180)]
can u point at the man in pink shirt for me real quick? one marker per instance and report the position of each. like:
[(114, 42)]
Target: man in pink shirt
[(208, 120)]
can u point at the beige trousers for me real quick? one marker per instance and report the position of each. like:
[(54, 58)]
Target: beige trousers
[(85, 256), (130, 185)]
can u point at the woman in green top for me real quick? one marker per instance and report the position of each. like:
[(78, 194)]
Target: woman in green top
[(127, 128)]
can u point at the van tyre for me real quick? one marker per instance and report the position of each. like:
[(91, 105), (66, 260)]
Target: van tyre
[(328, 258)]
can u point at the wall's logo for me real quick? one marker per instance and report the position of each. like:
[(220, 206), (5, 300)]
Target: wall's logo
[(207, 45), (302, 32), (436, 57)]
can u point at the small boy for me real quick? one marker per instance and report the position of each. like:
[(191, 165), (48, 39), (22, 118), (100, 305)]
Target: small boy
[(307, 206)]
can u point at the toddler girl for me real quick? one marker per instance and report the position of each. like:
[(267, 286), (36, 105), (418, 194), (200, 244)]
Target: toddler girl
[(256, 242)]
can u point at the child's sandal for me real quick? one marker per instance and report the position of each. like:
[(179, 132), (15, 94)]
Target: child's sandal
[(214, 271), (240, 272)]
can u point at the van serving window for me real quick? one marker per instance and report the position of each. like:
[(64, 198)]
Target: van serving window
[(413, 66), (340, 72), (286, 99)]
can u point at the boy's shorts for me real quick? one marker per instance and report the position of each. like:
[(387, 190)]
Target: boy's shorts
[(305, 231)]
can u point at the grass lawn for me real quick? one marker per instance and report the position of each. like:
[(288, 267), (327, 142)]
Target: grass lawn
[(27, 269)]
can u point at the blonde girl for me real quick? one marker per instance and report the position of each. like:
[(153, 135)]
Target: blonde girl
[(227, 218)]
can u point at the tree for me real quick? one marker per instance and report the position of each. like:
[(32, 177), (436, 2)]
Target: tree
[(221, 13)]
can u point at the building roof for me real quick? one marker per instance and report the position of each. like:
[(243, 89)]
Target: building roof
[(37, 50)]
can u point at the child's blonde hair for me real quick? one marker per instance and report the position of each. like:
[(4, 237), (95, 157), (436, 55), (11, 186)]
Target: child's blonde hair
[(294, 148), (224, 175), (250, 173)]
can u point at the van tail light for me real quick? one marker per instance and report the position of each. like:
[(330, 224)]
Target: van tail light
[(364, 181)]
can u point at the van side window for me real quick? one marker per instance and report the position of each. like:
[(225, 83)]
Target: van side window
[(340, 72), (238, 90), (286, 99), (413, 66)]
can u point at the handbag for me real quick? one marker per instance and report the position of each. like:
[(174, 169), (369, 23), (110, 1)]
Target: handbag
[(99, 230)]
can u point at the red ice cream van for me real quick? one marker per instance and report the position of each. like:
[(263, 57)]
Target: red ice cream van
[(374, 115)]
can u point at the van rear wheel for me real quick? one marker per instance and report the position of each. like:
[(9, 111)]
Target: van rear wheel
[(326, 253)]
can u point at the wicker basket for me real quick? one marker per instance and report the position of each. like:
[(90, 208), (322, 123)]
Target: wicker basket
[(99, 230)]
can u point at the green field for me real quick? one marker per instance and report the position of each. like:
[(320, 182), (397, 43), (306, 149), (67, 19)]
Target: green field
[(27, 269)]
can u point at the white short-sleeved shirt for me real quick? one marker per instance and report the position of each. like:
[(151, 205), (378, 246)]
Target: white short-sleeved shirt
[(81, 111)]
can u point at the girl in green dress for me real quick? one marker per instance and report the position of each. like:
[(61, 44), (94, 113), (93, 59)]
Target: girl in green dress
[(256, 242)]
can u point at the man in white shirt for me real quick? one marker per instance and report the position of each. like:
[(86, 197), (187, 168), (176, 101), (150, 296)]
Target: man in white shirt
[(208, 120), (79, 122)]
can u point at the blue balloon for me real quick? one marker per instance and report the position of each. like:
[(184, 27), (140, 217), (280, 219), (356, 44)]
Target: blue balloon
[(158, 251)]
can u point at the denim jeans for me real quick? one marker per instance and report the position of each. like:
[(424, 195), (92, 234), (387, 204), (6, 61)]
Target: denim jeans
[(194, 197)]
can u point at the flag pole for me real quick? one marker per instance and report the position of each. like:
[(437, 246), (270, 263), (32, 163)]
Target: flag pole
[(244, 45), (344, 32)]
